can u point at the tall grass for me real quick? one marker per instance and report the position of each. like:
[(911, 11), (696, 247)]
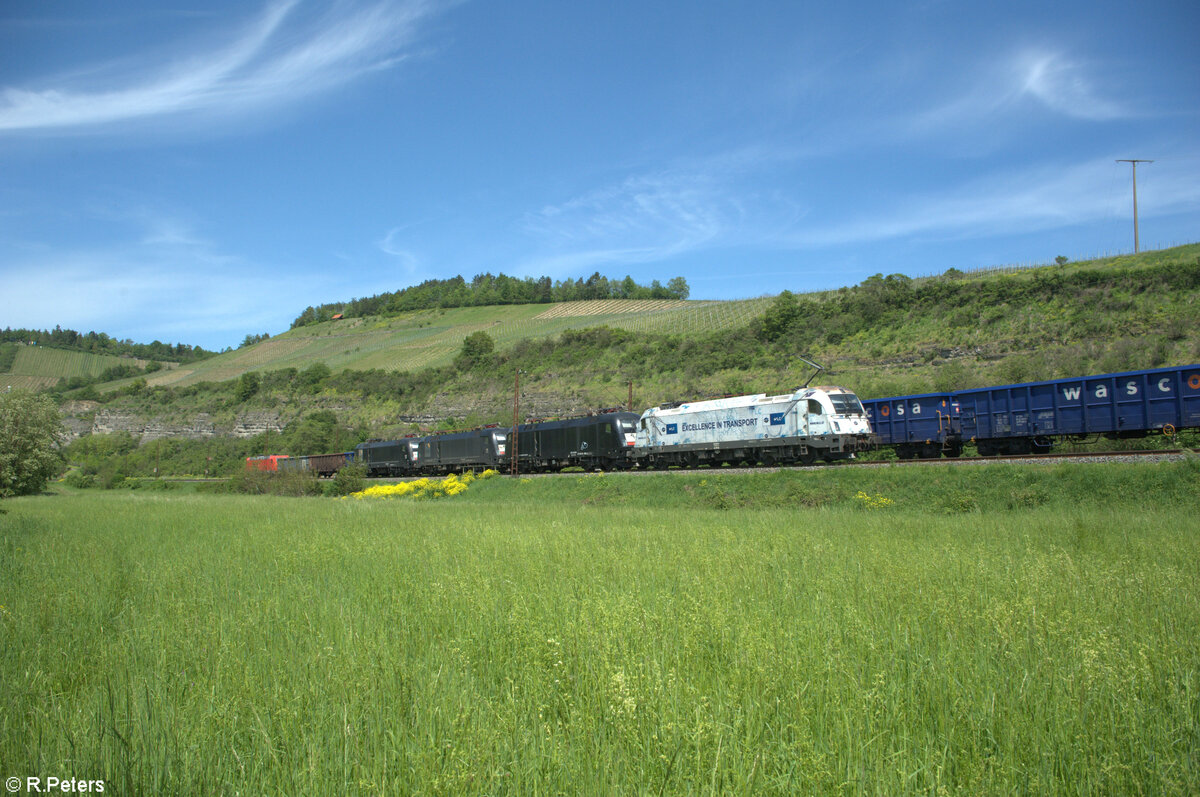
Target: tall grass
[(613, 635)]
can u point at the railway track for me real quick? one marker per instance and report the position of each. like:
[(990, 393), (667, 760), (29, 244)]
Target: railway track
[(1167, 454), (1066, 456)]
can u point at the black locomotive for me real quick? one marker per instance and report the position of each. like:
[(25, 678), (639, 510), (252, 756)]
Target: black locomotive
[(602, 441)]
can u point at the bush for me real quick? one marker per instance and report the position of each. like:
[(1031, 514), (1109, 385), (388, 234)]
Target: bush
[(257, 482), (349, 479), (79, 480)]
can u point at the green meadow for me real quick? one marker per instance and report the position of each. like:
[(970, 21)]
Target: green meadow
[(989, 629)]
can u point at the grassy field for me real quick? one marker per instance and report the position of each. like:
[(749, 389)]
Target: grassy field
[(978, 630)]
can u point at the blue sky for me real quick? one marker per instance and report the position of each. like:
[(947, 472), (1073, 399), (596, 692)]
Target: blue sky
[(199, 171)]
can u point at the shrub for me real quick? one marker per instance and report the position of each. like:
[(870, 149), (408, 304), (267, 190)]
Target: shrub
[(79, 480), (257, 482), (349, 479)]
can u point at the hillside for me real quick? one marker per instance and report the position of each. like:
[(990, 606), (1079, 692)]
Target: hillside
[(41, 367), (888, 335), (432, 338)]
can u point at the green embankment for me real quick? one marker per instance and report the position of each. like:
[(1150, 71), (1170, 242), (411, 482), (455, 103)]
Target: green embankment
[(994, 630), (888, 335)]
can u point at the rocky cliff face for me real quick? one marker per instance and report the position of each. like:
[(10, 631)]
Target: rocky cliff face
[(254, 423), (82, 418), (86, 417)]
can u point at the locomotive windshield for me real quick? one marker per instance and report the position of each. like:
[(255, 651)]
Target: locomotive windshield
[(846, 404)]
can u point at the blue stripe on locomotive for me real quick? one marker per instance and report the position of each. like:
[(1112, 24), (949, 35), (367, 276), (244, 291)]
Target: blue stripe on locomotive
[(1130, 401), (913, 419)]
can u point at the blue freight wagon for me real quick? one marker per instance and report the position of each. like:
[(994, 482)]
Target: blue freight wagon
[(1030, 417), (1018, 419), (925, 426)]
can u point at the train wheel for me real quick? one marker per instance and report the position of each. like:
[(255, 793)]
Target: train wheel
[(808, 457)]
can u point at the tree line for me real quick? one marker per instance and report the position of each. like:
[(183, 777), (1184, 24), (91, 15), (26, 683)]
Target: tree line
[(486, 289), (100, 343)]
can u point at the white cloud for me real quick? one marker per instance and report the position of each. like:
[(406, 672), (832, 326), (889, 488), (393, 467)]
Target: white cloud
[(390, 246), (1036, 199), (269, 61), (166, 283), (642, 219), (1051, 79), (1063, 86)]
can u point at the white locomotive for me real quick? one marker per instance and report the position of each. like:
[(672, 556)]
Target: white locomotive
[(810, 423)]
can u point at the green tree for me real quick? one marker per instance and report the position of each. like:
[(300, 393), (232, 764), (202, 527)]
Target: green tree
[(477, 348), (248, 385), (316, 434), (29, 430), (678, 288), (310, 378), (782, 313)]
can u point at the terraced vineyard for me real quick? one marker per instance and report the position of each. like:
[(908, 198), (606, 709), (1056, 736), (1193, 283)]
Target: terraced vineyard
[(433, 337), (30, 383), (39, 367)]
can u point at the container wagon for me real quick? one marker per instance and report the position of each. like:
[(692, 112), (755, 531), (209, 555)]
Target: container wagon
[(1029, 417), (925, 426), (326, 465)]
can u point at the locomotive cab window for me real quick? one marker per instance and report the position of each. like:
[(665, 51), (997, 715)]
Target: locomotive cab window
[(814, 407), (846, 404)]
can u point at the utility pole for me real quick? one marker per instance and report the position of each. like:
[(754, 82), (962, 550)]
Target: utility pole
[(631, 395), (1134, 162), (516, 435)]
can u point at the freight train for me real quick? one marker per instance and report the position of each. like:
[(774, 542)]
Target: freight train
[(828, 423), (1032, 417), (801, 427), (323, 465)]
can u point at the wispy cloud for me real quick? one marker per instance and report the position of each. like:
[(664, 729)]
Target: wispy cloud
[(1051, 79), (390, 245), (1063, 85), (643, 218), (156, 278), (275, 59), (1036, 199), (193, 296)]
